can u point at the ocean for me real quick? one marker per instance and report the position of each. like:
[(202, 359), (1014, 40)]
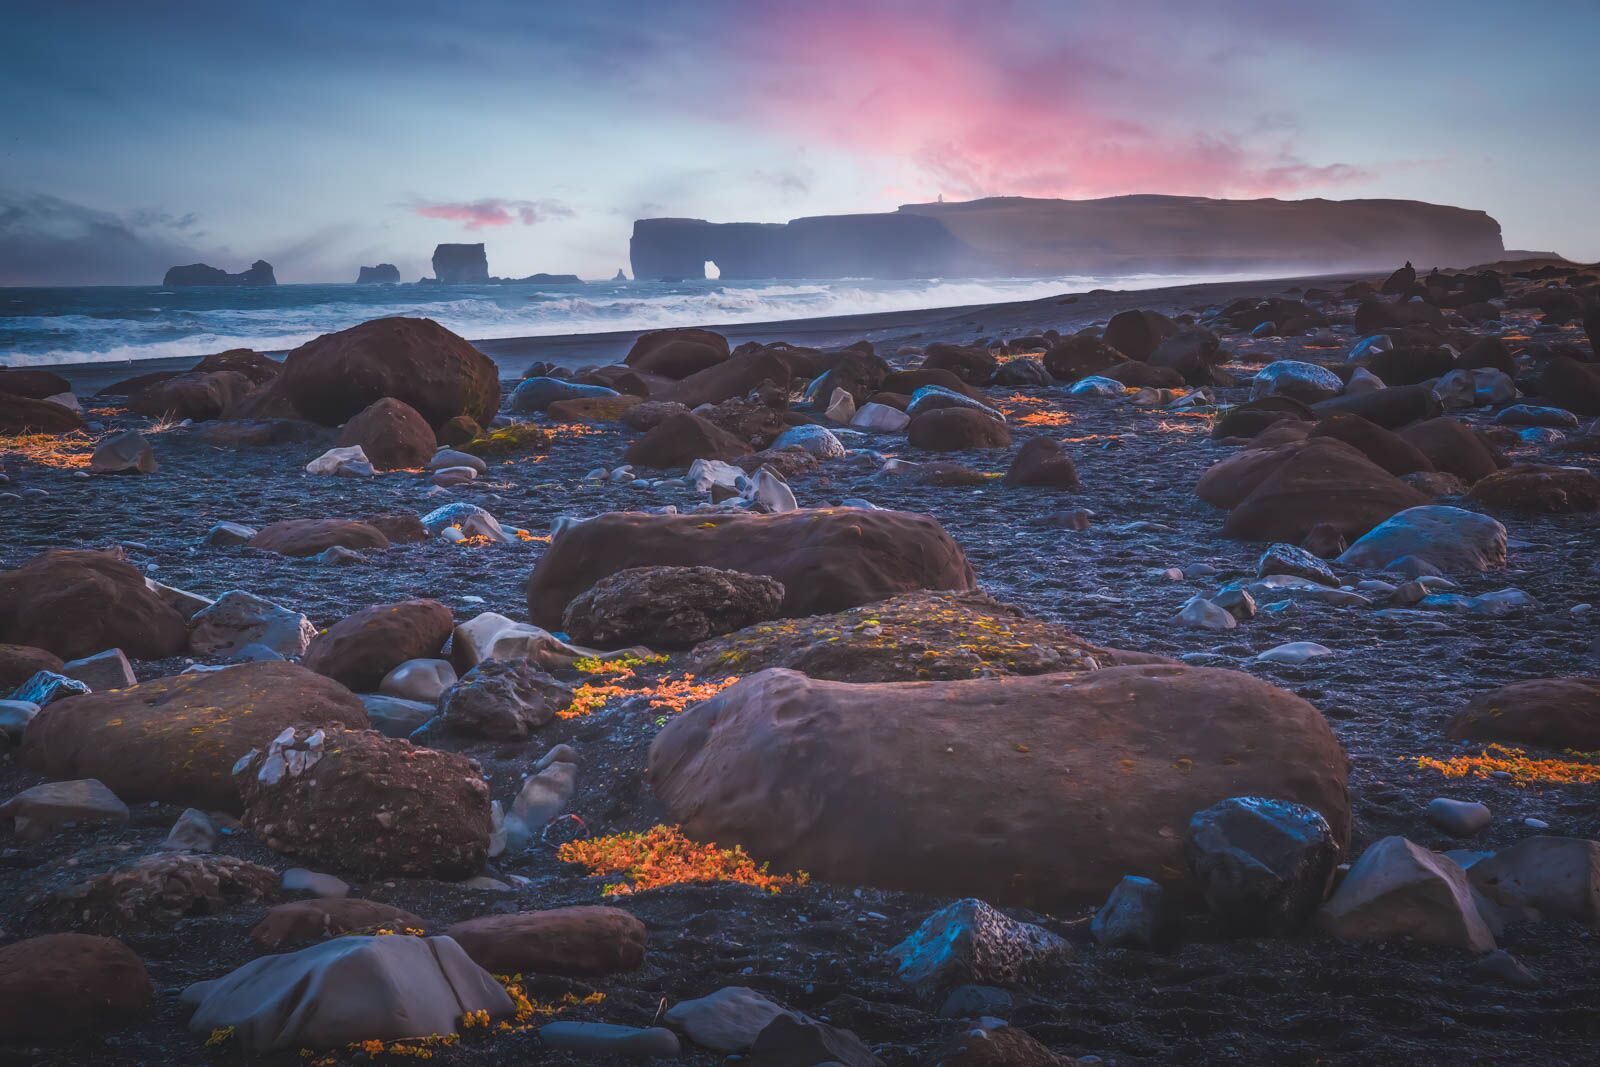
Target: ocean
[(121, 324)]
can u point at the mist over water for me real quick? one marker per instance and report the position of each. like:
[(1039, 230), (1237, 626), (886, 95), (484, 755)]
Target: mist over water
[(41, 327)]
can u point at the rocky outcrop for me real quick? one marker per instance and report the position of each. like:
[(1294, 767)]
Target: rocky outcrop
[(1025, 237), (260, 273), (460, 265), (382, 274)]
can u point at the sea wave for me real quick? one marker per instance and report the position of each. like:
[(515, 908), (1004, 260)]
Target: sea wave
[(104, 325)]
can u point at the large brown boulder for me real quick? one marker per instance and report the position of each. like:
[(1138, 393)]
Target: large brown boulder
[(679, 440), (1389, 408), (1454, 447), (358, 801), (907, 382), (392, 434), (913, 637), (269, 400), (18, 663), (22, 414), (1539, 487), (578, 942), (1385, 448), (305, 922), (1033, 791), (35, 383), (669, 607), (1079, 356), (971, 364), (827, 558), (1558, 713), (1226, 483), (734, 376), (253, 365), (956, 429), (677, 354), (76, 602), (61, 985), (359, 650), (307, 537), (197, 395), (1564, 382), (176, 739), (1325, 481), (417, 361), (1137, 333), (1043, 462)]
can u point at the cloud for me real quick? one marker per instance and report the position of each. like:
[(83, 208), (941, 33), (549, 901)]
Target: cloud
[(492, 211), (45, 240)]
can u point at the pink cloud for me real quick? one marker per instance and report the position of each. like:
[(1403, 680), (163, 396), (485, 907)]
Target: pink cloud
[(492, 211), (1000, 101)]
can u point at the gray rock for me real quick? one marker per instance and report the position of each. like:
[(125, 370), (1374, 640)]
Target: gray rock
[(124, 453), (1305, 382), (1095, 385), (609, 1039), (1204, 615), (1236, 602), (446, 458), (1502, 968), (193, 832), (1452, 540), (542, 797), (1262, 864), (817, 440), (229, 533), (1463, 818), (15, 715), (1288, 559), (728, 1020), (976, 1001), (344, 990), (1295, 653), (35, 812), (933, 397), (504, 700), (447, 477), (47, 686), (103, 671), (238, 619), (535, 395), (423, 680), (1533, 415), (879, 418), (313, 883), (1398, 889), (336, 556), (1544, 877), (397, 717), (1132, 916), (804, 1042), (970, 942)]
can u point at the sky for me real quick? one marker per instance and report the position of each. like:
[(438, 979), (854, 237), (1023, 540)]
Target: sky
[(325, 136)]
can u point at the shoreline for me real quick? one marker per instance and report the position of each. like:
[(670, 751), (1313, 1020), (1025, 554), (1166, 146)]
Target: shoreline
[(1064, 311)]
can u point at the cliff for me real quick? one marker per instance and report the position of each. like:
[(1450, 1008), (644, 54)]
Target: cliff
[(260, 273), (1023, 237), (382, 274), (460, 265)]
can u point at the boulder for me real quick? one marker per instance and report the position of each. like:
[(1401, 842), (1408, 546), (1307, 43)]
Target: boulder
[(1538, 487), (198, 396), (159, 891), (309, 537), (502, 699), (124, 453), (1398, 889), (1387, 449), (734, 376), (1095, 774), (1543, 878), (1389, 408), (1557, 713), (1572, 385), (1262, 864), (1452, 540), (34, 812), (32, 383), (935, 397), (670, 607), (956, 428), (679, 440), (65, 985), (391, 434), (1133, 916), (1255, 417), (728, 1020), (176, 739), (305, 922), (827, 559), (358, 801), (18, 663), (1454, 447), (359, 650), (1325, 481), (1137, 333), (1191, 353), (491, 636), (416, 361), (968, 942), (1226, 484), (910, 637), (347, 990), (677, 353), (1045, 463), (237, 620), (577, 942), (908, 382), (798, 1041), (533, 396), (970, 363), (1023, 372), (22, 414), (74, 603), (419, 680)]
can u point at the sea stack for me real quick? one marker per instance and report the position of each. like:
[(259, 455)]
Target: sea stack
[(460, 265), (260, 273), (382, 274)]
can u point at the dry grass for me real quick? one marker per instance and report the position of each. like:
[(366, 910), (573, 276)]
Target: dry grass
[(663, 856)]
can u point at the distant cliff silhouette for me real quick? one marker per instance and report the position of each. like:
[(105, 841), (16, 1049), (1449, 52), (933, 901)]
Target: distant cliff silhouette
[(382, 274), (1023, 237), (460, 264), (260, 273)]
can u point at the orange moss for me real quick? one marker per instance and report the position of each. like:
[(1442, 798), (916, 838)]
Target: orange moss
[(1584, 770), (1044, 418), (674, 694), (663, 856), (64, 451)]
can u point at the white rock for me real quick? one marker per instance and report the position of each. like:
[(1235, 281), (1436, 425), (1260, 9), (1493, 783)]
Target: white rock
[(1399, 889), (1205, 615), (238, 618), (879, 418), (1294, 653), (418, 679), (351, 461)]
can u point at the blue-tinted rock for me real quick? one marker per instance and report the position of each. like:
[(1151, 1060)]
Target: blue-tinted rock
[(1132, 916), (1263, 865), (1534, 415), (535, 395), (967, 942), (817, 440), (46, 686), (1451, 540), (933, 397), (1288, 559)]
